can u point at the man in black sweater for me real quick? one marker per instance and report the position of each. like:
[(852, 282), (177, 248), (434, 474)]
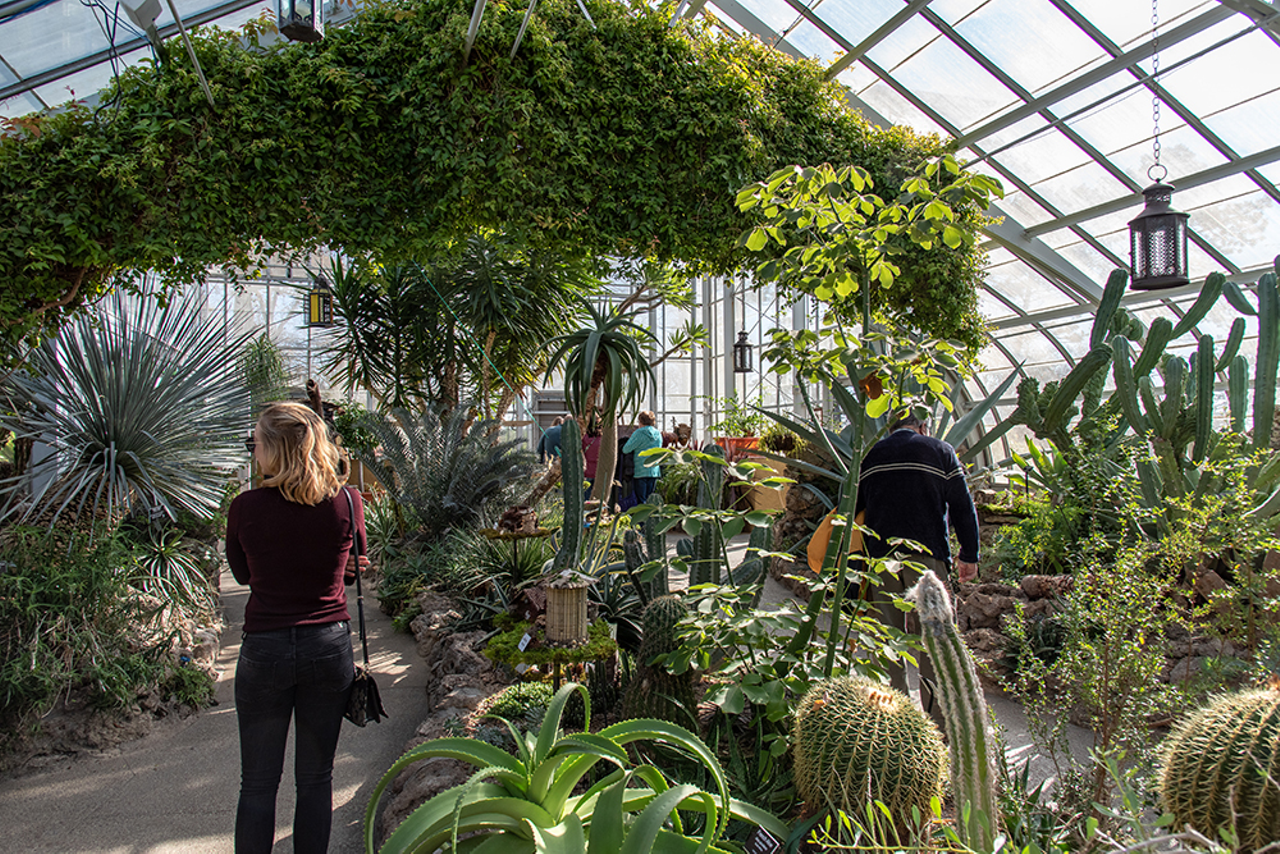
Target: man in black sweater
[(911, 486)]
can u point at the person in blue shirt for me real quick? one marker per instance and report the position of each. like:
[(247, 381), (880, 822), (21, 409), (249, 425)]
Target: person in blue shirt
[(549, 444), (647, 471)]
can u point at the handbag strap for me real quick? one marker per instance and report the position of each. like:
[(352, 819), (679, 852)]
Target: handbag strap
[(355, 545)]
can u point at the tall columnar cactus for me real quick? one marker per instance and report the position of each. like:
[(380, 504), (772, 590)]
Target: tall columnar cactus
[(752, 568), (1221, 768), (654, 692), (964, 711), (571, 467), (856, 739), (704, 551)]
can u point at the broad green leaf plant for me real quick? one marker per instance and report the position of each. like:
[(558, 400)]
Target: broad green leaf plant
[(535, 801)]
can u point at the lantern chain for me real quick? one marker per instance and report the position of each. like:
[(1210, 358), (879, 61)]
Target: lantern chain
[(1155, 95)]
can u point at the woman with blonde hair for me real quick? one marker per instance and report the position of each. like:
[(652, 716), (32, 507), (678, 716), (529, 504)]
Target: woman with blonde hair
[(290, 540)]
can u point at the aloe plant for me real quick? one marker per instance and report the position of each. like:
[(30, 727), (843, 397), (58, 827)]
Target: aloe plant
[(531, 801)]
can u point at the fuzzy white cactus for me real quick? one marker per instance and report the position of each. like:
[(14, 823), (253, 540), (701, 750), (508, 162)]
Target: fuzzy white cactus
[(964, 711)]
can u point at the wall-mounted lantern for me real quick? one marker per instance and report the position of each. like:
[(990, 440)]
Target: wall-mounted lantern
[(742, 355)]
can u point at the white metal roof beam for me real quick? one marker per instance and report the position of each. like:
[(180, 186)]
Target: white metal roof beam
[(759, 28), (1207, 176), (1046, 261)]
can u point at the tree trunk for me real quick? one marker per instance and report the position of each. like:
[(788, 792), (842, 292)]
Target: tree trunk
[(602, 486)]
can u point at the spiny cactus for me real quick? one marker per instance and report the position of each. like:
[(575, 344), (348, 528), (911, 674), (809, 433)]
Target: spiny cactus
[(1221, 768), (964, 712), (855, 739), (571, 466), (653, 692)]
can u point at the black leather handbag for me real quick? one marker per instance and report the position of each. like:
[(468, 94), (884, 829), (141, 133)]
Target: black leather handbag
[(364, 704)]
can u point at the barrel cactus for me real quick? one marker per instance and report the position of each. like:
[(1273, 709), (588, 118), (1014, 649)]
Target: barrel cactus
[(653, 692), (1220, 768), (856, 739)]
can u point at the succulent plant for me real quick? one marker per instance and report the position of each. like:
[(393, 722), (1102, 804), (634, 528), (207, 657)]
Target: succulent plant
[(964, 712), (1219, 768), (653, 692), (856, 739)]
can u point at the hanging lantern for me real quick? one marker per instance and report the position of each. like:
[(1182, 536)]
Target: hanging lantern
[(320, 305), (300, 20), (742, 355), (1158, 235), (1158, 242)]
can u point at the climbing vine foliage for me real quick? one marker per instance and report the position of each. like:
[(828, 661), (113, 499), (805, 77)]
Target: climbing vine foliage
[(628, 138)]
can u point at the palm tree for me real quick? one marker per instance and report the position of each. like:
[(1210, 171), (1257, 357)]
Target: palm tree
[(605, 371)]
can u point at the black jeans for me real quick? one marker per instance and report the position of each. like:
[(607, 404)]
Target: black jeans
[(302, 673)]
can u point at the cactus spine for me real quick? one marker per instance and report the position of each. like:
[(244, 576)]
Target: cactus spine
[(964, 711), (571, 467), (654, 692), (856, 739), (1219, 768)]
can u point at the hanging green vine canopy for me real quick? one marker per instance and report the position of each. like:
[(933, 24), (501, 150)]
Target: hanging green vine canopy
[(628, 138)]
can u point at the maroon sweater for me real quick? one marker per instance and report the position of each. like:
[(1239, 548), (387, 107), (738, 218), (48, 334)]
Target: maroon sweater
[(292, 556)]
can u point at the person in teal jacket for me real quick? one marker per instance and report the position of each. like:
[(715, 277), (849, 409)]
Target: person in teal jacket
[(647, 471)]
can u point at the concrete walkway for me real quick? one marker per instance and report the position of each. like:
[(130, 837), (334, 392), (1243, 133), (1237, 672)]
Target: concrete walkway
[(174, 791)]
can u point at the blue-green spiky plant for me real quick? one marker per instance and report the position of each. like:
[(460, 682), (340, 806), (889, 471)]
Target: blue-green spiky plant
[(964, 712)]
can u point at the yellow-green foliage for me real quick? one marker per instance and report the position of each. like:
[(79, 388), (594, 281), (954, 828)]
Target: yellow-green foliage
[(856, 739), (1221, 768)]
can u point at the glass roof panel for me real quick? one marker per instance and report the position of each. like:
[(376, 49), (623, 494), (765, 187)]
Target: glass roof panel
[(905, 42), (992, 308), (1215, 80), (1021, 285), (1080, 187), (884, 100), (814, 42), (81, 84), (1119, 121), (779, 16), (1245, 228), (1089, 261), (1024, 210), (954, 84), (1029, 40), (858, 20), (20, 105), (51, 36), (1249, 127), (1043, 156)]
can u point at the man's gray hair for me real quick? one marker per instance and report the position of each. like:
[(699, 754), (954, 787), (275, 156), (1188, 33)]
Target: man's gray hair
[(907, 419)]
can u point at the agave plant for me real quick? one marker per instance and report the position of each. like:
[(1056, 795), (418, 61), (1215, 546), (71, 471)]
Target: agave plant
[(527, 802), (443, 470), (141, 404)]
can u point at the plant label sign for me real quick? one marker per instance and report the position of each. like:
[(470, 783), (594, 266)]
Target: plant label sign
[(524, 642), (761, 841)]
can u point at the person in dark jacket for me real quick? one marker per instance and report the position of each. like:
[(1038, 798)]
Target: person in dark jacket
[(291, 541), (912, 487)]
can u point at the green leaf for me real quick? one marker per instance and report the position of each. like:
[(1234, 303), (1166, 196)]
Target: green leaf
[(757, 239)]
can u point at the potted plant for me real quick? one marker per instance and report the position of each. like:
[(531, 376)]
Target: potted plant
[(739, 427)]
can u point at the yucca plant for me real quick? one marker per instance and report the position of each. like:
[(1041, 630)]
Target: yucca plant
[(140, 404), (443, 470), (526, 802)]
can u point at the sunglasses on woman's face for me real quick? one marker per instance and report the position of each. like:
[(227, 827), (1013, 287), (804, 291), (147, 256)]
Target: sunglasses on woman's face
[(249, 444)]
